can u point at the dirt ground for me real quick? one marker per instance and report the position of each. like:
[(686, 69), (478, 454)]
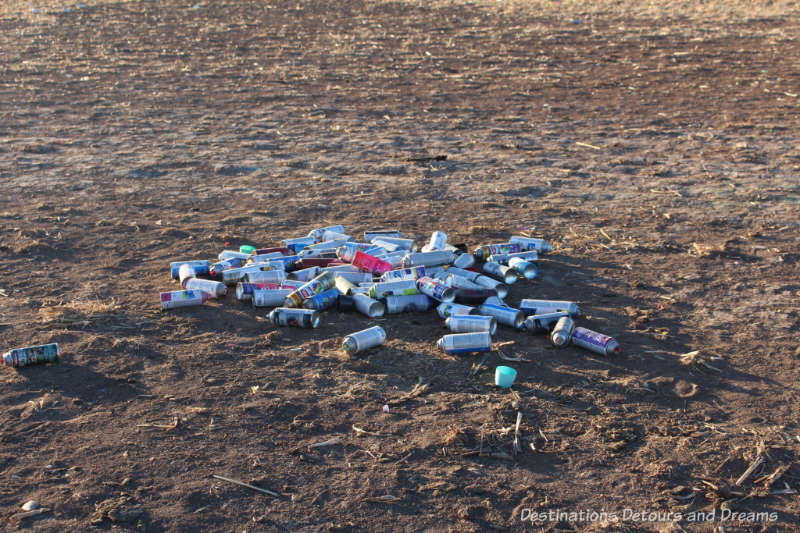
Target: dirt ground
[(656, 147)]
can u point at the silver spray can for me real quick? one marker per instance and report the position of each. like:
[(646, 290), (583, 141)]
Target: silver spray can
[(562, 332), (428, 259), (505, 273), (344, 285), (215, 289), (445, 310), (595, 342), (407, 304), (464, 261), (405, 244), (436, 289), (230, 254), (185, 272), (526, 268), (174, 299), (318, 233), (354, 277), (367, 306), (491, 283), (467, 274), (298, 318), (383, 289), (465, 342), (42, 353), (543, 323), (540, 245), (457, 282), (471, 323), (265, 276), (540, 307), (403, 273), (363, 340), (508, 316), (269, 297)]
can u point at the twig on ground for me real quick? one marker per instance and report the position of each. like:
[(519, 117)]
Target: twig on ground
[(249, 486)]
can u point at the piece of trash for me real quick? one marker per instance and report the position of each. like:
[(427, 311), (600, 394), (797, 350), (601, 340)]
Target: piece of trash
[(465, 342), (186, 298), (363, 340), (30, 355), (595, 342), (504, 376), (562, 332), (298, 318), (385, 408), (330, 442), (30, 505), (471, 324)]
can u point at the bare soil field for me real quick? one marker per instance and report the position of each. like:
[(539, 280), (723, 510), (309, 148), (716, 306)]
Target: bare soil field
[(656, 147)]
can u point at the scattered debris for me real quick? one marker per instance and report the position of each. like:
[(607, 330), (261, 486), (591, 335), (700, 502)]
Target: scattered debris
[(249, 486)]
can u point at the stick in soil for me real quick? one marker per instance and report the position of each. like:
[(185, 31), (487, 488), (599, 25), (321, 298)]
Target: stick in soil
[(249, 486)]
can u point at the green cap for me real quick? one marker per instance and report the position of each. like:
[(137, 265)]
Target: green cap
[(247, 249)]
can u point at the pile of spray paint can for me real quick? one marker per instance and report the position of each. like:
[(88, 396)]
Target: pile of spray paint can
[(385, 273)]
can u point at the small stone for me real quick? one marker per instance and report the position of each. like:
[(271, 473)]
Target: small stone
[(30, 505)]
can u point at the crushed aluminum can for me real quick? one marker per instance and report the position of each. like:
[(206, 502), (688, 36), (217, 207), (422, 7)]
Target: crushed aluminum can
[(321, 283), (471, 324), (407, 304), (426, 259), (298, 318), (562, 332), (269, 297), (215, 289), (436, 289), (595, 342), (42, 353), (447, 310), (507, 274), (465, 342), (543, 323), (370, 263), (393, 288), (201, 268), (540, 245), (539, 307), (363, 340), (413, 273), (323, 300), (508, 316), (174, 299), (482, 252), (367, 306)]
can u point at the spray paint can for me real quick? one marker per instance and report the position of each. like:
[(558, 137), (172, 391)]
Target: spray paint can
[(244, 291), (542, 323), (436, 289), (306, 274), (283, 251), (290, 284), (363, 340), (465, 342), (327, 246), (381, 233), (185, 272), (404, 244), (264, 258), (407, 304), (540, 245), (562, 332), (269, 297), (219, 267), (321, 283), (457, 282), (595, 342), (371, 263), (174, 299), (323, 300), (439, 257), (387, 246), (393, 288), (471, 323), (344, 285), (447, 310), (482, 252), (412, 273), (215, 289), (474, 296), (298, 243), (508, 316), (308, 262), (319, 232), (232, 276), (330, 235), (395, 258), (264, 276), (540, 307), (229, 254), (347, 251), (438, 240), (201, 268), (466, 274), (527, 269), (505, 273), (367, 306), (298, 318), (491, 283), (464, 260), (42, 353)]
